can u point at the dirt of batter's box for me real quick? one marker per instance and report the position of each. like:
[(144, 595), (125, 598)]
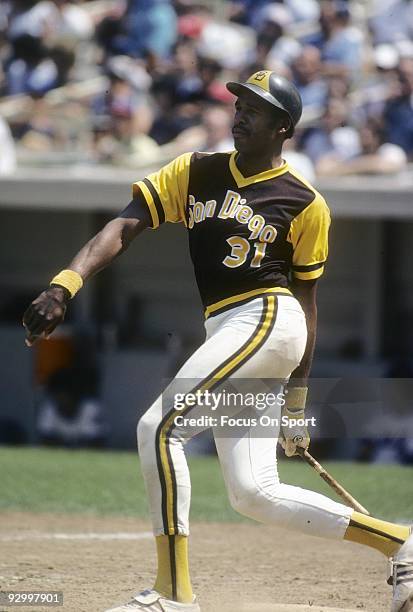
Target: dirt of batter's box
[(235, 567)]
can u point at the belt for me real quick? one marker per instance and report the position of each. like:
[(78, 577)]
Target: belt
[(241, 298)]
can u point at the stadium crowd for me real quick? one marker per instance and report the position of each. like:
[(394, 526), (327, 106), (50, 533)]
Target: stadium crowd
[(135, 82)]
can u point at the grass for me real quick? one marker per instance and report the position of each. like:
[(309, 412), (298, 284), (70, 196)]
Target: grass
[(46, 480)]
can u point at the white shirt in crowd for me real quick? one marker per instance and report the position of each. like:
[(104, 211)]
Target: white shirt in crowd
[(7, 150), (87, 424)]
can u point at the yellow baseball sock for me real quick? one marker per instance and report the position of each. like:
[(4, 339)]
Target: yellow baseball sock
[(381, 535), (173, 581)]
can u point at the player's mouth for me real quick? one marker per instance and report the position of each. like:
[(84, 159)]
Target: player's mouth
[(238, 132)]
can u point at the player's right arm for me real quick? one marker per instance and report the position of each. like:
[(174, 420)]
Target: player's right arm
[(160, 197), (111, 241), (49, 308)]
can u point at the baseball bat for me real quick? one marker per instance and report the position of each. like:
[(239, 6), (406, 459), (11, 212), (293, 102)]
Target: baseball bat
[(332, 482)]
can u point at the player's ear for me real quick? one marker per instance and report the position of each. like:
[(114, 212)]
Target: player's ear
[(284, 126)]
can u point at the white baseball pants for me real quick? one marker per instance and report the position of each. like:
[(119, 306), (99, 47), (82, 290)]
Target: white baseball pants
[(262, 339)]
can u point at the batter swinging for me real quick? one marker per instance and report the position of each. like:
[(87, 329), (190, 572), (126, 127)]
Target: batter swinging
[(258, 241)]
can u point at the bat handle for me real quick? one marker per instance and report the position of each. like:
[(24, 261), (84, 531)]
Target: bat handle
[(341, 491)]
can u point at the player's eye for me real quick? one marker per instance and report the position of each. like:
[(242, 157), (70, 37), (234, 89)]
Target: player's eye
[(252, 110)]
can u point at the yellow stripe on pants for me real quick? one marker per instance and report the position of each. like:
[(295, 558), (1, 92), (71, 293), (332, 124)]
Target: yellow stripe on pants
[(215, 378)]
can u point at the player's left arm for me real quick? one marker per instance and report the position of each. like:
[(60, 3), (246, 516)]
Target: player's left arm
[(295, 435), (306, 293), (309, 239)]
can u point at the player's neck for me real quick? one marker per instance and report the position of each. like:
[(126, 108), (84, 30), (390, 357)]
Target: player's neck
[(251, 165)]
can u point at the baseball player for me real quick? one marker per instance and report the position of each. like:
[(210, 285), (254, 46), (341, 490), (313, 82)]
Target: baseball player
[(258, 241)]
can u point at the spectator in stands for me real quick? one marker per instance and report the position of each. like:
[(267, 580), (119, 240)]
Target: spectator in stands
[(168, 122), (121, 97), (398, 112), (391, 20), (178, 93), (126, 141), (30, 69), (335, 138), (247, 12), (282, 48), (217, 123), (307, 71), (250, 12), (375, 156), (102, 144), (188, 83), (307, 12), (122, 116), (67, 417), (148, 26), (7, 150), (196, 77), (213, 134), (134, 145), (213, 87), (231, 45), (37, 130), (298, 160), (29, 17), (69, 23), (371, 98), (341, 42), (49, 20)]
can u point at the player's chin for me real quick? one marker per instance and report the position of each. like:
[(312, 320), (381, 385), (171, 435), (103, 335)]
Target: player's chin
[(242, 143), (247, 149)]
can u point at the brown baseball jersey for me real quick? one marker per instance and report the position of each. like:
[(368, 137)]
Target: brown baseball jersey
[(247, 235)]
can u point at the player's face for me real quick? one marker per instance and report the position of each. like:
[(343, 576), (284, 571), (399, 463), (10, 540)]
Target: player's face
[(257, 125)]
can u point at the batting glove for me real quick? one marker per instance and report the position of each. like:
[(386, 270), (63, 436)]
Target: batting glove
[(292, 434)]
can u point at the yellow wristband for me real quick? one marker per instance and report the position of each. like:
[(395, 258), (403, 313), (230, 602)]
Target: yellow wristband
[(296, 397), (70, 280)]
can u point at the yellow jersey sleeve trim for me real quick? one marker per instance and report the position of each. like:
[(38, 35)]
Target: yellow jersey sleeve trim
[(309, 275), (170, 184), (141, 188)]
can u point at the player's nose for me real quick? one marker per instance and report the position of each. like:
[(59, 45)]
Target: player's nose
[(240, 121)]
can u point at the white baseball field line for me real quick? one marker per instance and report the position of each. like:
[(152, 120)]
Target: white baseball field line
[(42, 535), (291, 608)]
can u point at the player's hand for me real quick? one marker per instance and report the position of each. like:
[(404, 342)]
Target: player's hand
[(293, 434), (45, 313)]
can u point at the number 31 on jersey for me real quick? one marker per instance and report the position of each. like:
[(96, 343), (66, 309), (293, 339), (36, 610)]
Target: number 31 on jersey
[(239, 253)]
